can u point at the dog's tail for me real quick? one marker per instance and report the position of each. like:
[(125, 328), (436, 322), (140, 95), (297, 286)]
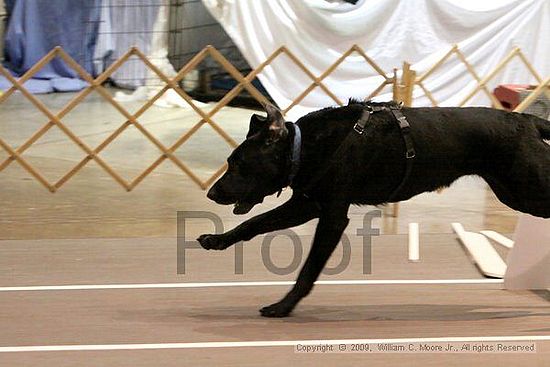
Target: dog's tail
[(543, 127)]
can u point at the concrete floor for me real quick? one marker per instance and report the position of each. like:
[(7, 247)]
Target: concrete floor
[(158, 316)]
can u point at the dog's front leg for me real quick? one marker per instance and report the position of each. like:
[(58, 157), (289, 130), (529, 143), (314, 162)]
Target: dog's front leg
[(297, 210), (327, 235)]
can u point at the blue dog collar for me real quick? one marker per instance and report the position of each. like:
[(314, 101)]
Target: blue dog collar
[(295, 153)]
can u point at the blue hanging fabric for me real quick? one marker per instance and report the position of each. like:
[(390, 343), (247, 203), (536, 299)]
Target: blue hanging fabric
[(36, 27)]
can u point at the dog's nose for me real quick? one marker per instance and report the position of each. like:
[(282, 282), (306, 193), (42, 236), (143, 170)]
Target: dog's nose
[(212, 193), (219, 195)]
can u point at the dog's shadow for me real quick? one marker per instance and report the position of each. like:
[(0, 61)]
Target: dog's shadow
[(343, 313), (403, 312), (311, 320), (314, 320)]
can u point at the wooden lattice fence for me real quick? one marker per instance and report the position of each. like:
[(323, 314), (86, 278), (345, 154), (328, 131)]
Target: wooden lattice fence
[(166, 152)]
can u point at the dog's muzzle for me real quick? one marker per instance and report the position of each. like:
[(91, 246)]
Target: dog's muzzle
[(214, 195), (242, 208)]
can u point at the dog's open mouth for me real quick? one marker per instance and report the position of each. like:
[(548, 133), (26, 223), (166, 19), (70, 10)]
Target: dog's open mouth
[(242, 207)]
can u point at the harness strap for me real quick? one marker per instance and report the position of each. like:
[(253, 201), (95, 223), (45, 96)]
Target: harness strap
[(410, 153), (359, 126), (405, 132)]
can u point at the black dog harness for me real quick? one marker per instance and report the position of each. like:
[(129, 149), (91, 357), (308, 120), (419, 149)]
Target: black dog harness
[(358, 130)]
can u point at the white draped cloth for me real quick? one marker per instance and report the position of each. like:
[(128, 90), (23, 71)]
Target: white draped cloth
[(391, 32)]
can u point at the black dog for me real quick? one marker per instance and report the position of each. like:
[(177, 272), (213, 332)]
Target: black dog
[(391, 159)]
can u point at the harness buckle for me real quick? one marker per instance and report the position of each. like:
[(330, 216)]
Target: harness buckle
[(410, 154), (404, 125), (359, 126)]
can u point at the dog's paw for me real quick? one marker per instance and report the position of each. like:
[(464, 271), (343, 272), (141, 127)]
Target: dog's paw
[(278, 309), (213, 242)]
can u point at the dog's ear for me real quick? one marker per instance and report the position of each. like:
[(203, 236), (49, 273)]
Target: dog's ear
[(257, 123), (277, 128)]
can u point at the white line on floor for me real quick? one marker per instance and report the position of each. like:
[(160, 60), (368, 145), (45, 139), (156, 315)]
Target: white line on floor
[(269, 343), (79, 287)]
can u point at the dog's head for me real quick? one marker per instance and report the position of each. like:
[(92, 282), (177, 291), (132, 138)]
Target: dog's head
[(256, 168)]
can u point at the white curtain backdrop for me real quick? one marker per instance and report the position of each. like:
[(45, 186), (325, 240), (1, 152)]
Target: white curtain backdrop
[(391, 32)]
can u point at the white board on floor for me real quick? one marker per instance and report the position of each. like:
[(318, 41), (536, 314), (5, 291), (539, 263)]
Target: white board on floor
[(414, 242), (481, 251), (498, 238)]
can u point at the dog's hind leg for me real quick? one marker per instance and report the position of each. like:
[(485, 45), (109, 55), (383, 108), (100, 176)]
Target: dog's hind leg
[(526, 187), (297, 210), (327, 235), (502, 193), (538, 205)]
